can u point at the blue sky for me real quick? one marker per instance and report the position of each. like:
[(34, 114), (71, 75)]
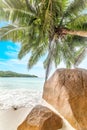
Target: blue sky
[(10, 61)]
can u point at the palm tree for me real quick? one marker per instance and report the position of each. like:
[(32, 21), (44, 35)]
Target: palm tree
[(55, 27)]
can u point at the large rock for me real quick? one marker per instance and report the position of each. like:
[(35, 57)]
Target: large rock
[(41, 118), (66, 90)]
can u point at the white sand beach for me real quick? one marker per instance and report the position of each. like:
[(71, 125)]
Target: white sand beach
[(10, 119), (24, 101)]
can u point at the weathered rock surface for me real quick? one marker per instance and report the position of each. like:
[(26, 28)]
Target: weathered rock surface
[(41, 118), (66, 90)]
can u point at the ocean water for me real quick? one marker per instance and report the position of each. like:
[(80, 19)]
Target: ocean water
[(20, 92), (22, 83)]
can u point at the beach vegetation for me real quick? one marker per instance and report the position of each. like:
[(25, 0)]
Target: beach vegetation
[(57, 28), (15, 74)]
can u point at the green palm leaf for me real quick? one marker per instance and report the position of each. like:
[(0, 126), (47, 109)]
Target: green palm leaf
[(80, 55), (56, 26)]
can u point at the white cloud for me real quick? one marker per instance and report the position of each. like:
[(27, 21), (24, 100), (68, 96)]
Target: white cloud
[(17, 62), (11, 54), (11, 48), (21, 66), (2, 63)]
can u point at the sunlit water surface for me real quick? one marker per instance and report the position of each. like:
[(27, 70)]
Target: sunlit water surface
[(20, 92)]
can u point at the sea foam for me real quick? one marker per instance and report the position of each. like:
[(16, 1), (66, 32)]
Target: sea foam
[(19, 98)]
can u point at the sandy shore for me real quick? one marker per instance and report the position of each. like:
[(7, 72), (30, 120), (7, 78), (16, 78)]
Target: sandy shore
[(24, 100), (10, 119)]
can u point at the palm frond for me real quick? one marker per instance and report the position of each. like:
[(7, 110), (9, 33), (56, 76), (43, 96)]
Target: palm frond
[(42, 25), (68, 55), (30, 7), (13, 32), (36, 55), (75, 7), (15, 11), (26, 48), (80, 55), (78, 41), (78, 23)]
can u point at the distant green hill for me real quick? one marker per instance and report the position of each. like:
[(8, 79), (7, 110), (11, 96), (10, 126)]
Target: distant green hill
[(14, 74)]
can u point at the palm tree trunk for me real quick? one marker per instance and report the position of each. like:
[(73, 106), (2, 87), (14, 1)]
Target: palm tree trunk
[(77, 33)]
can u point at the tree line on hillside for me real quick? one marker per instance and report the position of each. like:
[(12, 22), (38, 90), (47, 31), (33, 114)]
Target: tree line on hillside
[(14, 74)]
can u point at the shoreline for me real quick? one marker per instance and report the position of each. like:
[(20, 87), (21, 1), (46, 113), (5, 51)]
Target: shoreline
[(19, 98), (16, 104), (11, 118)]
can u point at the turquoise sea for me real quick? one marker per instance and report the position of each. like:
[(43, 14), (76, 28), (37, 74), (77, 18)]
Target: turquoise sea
[(22, 83), (20, 92)]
